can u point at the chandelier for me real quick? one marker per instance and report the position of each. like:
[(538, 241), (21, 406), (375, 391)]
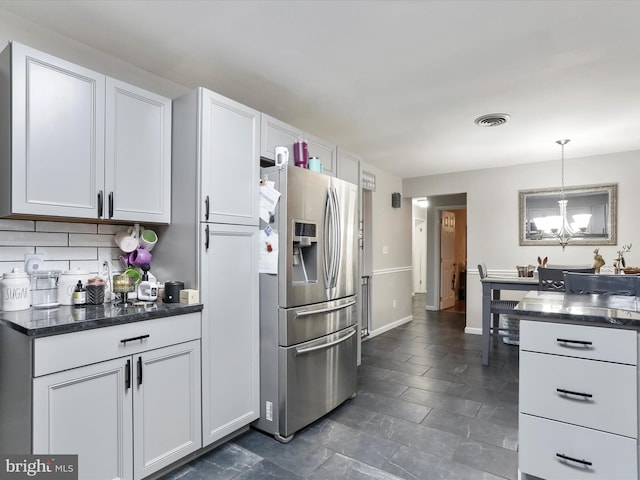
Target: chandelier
[(563, 230)]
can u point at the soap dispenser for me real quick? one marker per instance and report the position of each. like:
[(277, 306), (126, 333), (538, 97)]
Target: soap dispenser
[(147, 289)]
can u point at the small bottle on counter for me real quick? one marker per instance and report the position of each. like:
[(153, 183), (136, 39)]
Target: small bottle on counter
[(79, 295)]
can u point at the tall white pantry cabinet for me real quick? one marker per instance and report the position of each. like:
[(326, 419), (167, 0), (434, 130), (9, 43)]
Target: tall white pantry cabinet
[(212, 245)]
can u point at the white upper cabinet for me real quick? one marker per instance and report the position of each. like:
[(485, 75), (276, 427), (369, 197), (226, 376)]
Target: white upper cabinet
[(348, 166), (78, 144), (138, 154), (325, 151), (230, 160), (274, 133), (55, 117)]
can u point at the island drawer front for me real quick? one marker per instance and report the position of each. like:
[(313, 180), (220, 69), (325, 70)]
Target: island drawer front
[(70, 350), (612, 406), (611, 456), (596, 343)]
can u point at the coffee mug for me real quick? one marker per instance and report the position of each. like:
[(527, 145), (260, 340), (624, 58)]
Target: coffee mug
[(314, 164), (282, 155), (126, 240), (148, 239), (140, 256)]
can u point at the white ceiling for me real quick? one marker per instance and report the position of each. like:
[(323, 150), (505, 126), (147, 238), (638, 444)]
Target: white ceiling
[(399, 82)]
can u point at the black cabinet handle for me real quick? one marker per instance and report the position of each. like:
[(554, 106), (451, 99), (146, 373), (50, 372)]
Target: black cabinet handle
[(132, 339), (581, 343), (206, 237), (110, 204), (581, 462), (100, 203), (127, 375), (206, 207), (139, 370), (578, 394)]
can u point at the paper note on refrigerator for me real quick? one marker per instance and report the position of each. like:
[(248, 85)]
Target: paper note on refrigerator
[(268, 259), (269, 197)]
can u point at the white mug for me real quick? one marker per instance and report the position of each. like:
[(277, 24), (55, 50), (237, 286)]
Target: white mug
[(148, 239), (127, 240), (282, 155)]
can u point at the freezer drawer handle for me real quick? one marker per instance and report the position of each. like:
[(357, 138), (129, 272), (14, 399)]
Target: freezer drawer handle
[(581, 343), (566, 457), (132, 339), (578, 394), (300, 351), (325, 310)]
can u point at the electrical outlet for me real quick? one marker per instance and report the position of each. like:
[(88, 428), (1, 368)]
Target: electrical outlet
[(33, 263)]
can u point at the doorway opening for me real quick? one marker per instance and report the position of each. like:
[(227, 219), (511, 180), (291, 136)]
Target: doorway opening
[(453, 260)]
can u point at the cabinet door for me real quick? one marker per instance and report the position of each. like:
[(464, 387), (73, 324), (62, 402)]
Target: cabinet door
[(57, 136), (325, 151), (86, 411), (167, 418), (274, 133), (230, 330), (229, 160), (348, 167), (137, 154)]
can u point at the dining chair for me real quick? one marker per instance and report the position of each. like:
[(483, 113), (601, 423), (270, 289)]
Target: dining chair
[(499, 307), (586, 284), (552, 279)]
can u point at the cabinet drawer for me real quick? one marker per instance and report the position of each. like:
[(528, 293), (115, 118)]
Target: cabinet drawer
[(70, 350), (541, 441), (596, 343), (611, 406)]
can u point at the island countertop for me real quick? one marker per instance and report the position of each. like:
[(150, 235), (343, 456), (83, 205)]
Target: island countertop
[(66, 319), (596, 310)]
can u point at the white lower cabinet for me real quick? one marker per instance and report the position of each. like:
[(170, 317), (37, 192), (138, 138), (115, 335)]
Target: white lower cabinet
[(126, 417), (578, 407)]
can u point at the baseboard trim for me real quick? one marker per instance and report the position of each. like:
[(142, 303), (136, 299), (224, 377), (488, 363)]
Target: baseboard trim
[(390, 326), (431, 308), (473, 330)]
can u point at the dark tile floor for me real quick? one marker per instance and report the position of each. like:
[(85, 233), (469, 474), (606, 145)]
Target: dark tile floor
[(426, 409)]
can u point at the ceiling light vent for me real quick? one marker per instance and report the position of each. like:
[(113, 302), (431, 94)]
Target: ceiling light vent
[(492, 120)]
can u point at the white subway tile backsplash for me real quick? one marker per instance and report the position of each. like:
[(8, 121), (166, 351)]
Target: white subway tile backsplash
[(23, 225), (63, 245), (82, 240), (111, 229), (15, 238), (66, 227), (67, 253), (14, 254)]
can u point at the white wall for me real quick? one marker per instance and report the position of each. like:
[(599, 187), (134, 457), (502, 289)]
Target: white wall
[(492, 213), (392, 278)]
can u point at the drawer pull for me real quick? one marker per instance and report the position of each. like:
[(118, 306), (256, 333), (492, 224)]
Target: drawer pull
[(570, 459), (578, 394), (580, 343), (133, 339)]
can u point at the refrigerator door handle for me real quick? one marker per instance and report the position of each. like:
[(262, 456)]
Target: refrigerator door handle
[(326, 247), (306, 313), (337, 251), (303, 350)]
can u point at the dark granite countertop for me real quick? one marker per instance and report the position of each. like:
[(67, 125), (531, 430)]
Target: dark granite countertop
[(65, 319), (597, 310)]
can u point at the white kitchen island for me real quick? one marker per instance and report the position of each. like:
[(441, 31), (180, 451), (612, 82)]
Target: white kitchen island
[(578, 400)]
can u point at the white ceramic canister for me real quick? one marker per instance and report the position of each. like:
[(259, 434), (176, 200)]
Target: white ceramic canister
[(67, 282), (16, 291)]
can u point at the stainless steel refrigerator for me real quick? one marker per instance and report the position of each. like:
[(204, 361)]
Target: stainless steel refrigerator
[(308, 310)]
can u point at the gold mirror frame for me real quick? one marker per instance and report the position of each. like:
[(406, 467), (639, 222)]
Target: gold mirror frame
[(577, 193)]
